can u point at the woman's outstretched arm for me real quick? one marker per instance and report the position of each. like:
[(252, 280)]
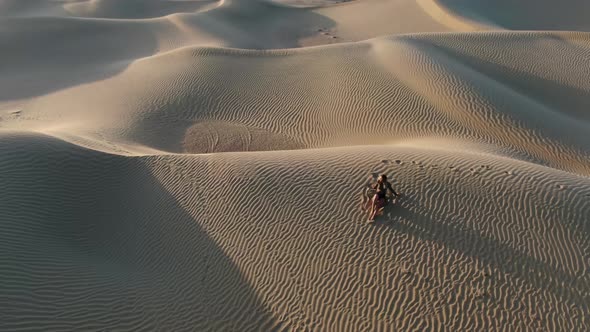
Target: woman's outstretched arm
[(391, 189)]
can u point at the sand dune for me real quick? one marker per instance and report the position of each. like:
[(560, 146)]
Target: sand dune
[(131, 9), (194, 165), (383, 91), (153, 238), (134, 9), (524, 14)]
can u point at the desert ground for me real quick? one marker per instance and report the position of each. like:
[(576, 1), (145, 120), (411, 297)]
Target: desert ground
[(180, 165)]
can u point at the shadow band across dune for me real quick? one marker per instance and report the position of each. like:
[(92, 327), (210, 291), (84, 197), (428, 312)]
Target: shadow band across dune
[(91, 241), (525, 14)]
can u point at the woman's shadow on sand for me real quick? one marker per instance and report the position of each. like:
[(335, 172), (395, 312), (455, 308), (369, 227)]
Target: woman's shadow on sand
[(408, 217)]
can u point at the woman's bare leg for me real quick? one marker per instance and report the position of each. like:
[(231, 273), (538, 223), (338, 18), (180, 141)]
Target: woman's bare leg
[(373, 209), (375, 212), (367, 200), (366, 205)]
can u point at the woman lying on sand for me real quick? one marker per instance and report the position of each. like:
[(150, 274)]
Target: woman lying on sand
[(379, 199)]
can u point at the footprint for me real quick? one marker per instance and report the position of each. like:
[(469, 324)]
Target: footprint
[(509, 172), (399, 162), (406, 269), (560, 186), (485, 273), (385, 161)]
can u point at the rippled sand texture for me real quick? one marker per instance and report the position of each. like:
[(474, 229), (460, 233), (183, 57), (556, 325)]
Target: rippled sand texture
[(201, 165)]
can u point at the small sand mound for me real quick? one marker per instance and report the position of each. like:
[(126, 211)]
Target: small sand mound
[(206, 137)]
